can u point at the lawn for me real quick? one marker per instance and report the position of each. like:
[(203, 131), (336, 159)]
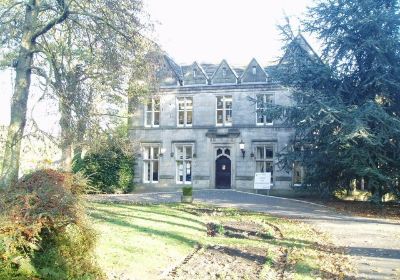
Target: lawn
[(175, 241)]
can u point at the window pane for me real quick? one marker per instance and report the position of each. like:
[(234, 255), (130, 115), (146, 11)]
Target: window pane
[(268, 166), (189, 103), (260, 166), (181, 119), (146, 153), (219, 151), (219, 102), (296, 173), (156, 118), (260, 117), (260, 102), (219, 116), (147, 171), (188, 152), (179, 166), (228, 116), (269, 152), (227, 152), (156, 152), (228, 102), (157, 104), (179, 152), (188, 172), (155, 170), (189, 117), (148, 106), (181, 104), (148, 118), (260, 153)]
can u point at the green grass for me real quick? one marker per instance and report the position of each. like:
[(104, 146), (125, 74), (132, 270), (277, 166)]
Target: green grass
[(145, 240)]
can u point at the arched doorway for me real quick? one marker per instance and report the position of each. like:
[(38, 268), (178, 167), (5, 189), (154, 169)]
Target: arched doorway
[(223, 169)]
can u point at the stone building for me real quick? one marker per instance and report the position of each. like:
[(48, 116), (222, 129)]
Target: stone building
[(205, 127)]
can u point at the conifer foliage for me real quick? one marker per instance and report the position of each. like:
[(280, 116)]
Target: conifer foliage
[(347, 103)]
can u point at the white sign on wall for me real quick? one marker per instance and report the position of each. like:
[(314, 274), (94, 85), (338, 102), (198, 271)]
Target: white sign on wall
[(262, 181)]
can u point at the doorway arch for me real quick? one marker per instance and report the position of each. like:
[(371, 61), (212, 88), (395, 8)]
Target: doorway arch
[(223, 169)]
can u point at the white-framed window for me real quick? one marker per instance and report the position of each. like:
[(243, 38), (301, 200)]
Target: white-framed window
[(194, 73), (265, 159), (151, 163), (223, 71), (183, 158), (152, 115), (185, 111), (262, 101), (224, 110)]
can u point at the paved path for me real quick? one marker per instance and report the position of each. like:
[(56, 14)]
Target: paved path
[(373, 244)]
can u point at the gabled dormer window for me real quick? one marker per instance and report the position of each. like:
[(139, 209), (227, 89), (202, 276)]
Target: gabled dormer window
[(223, 71), (254, 70), (194, 73), (152, 115)]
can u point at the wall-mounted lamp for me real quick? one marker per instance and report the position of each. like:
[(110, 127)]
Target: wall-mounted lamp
[(162, 151), (241, 147)]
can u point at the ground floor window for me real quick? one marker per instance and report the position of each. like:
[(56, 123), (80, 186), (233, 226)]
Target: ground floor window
[(297, 174), (151, 164), (265, 159), (183, 157)]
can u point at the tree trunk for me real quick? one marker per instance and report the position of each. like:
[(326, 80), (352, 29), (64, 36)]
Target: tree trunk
[(19, 103), (66, 146)]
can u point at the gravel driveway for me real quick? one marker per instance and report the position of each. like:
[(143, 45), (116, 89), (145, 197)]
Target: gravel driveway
[(373, 244)]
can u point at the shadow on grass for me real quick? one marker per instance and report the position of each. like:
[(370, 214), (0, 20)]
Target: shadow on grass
[(125, 206), (162, 234), (307, 270), (110, 213)]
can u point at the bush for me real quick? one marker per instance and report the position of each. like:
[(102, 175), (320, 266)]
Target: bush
[(187, 191), (44, 233), (109, 170)]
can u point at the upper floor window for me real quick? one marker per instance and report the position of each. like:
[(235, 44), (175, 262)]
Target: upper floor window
[(254, 70), (223, 71), (265, 159), (262, 101), (151, 156), (152, 116), (185, 111), (224, 110), (194, 73), (183, 157)]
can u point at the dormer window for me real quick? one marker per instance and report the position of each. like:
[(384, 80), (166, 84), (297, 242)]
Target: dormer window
[(254, 70), (194, 73), (223, 71)]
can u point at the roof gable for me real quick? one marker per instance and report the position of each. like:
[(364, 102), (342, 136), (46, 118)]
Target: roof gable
[(297, 46), (224, 74), (170, 73), (194, 75), (254, 73)]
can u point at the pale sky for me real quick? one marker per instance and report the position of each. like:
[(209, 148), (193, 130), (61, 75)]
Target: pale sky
[(206, 31)]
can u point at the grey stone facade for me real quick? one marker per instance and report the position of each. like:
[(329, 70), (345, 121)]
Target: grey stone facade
[(202, 85)]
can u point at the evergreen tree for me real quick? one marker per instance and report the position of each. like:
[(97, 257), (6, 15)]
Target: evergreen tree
[(347, 104)]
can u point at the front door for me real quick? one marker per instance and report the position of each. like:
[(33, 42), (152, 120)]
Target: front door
[(223, 173)]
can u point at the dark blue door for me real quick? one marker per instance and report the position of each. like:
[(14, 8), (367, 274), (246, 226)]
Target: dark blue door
[(223, 173)]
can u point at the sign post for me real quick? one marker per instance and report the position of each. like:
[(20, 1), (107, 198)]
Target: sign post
[(262, 181)]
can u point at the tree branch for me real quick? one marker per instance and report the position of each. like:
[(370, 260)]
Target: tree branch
[(53, 22)]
